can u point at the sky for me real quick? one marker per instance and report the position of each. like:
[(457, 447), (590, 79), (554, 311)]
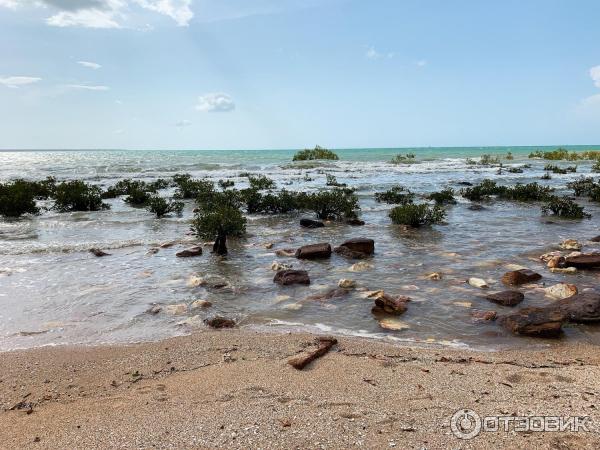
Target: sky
[(252, 74)]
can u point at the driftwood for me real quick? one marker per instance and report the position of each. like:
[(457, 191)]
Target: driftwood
[(301, 361)]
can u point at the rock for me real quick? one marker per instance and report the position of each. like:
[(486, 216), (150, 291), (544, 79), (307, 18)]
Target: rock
[(373, 294), (99, 253), (220, 322), (561, 290), (277, 266), (583, 307), (570, 244), (177, 309), (573, 254), (548, 256), (288, 277), (391, 323), (583, 261), (387, 304), (154, 309), (478, 283), (346, 252), (361, 245), (355, 222), (476, 207), (345, 283), (332, 293), (464, 183), (484, 316), (435, 276), (506, 298), (360, 267), (167, 244), (201, 304), (309, 223), (314, 251), (595, 239), (285, 252), (538, 322), (152, 251), (189, 252), (463, 304), (195, 281), (269, 246), (567, 270), (556, 261), (517, 277), (292, 306)]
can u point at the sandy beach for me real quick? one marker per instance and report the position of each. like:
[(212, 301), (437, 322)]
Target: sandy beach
[(235, 389)]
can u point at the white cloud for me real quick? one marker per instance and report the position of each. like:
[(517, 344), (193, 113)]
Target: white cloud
[(183, 123), (104, 13), (215, 102), (88, 87), (15, 82), (372, 53), (421, 63), (593, 100), (89, 65), (595, 74), (178, 10)]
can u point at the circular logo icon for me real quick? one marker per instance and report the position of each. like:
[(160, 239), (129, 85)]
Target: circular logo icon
[(465, 424)]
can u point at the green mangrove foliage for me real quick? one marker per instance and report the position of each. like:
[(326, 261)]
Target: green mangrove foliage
[(78, 195), (398, 195), (161, 207), (417, 215), (189, 188), (315, 153), (260, 182), (17, 198), (332, 181), (444, 197), (564, 154), (519, 192), (564, 207), (408, 158), (560, 170)]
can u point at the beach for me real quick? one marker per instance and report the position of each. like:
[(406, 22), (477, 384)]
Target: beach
[(235, 389)]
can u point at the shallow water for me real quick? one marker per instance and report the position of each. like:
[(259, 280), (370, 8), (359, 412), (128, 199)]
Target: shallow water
[(52, 291)]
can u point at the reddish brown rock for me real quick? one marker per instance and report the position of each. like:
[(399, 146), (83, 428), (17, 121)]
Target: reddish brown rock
[(310, 223), (595, 239), (314, 251), (506, 298), (333, 293), (99, 253), (362, 245), (220, 322), (484, 316), (581, 307), (386, 304), (189, 252), (288, 277), (537, 322), (355, 222), (521, 276), (583, 261)]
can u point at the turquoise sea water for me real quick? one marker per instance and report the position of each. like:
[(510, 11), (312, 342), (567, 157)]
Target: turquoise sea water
[(53, 291)]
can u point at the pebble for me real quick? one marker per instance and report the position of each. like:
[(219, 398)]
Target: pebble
[(478, 283)]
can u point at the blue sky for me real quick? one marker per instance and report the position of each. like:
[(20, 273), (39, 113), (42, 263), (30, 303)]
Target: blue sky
[(235, 74)]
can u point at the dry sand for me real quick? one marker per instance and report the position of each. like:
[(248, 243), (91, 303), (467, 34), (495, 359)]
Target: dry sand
[(235, 389)]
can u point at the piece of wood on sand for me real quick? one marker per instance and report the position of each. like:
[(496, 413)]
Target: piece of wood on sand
[(301, 361)]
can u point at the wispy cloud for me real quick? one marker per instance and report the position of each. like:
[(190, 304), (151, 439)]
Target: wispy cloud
[(89, 64), (372, 53), (15, 82), (421, 63), (595, 75), (104, 13), (215, 102), (183, 123), (88, 87)]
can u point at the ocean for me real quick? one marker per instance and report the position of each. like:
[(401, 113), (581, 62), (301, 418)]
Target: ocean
[(53, 291)]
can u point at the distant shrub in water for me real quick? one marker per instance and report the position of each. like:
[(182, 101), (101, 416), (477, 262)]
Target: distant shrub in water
[(188, 188), (282, 202), (596, 166), (78, 196), (510, 156), (514, 170), (398, 195), (564, 207), (482, 191), (563, 154), (17, 198), (582, 186), (161, 207), (489, 160), (408, 158), (546, 176), (226, 184), (315, 153), (556, 169), (332, 181), (417, 215), (445, 197), (260, 182)]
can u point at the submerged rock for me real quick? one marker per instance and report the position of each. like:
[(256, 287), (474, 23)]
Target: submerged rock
[(360, 266), (310, 223), (355, 222), (277, 266), (220, 322), (288, 252), (476, 207), (387, 304), (154, 309), (584, 261), (332, 293), (345, 283), (177, 309), (595, 239), (201, 304), (99, 253), (289, 277), (556, 261), (391, 323), (478, 283), (537, 322), (484, 316), (314, 251), (567, 270), (570, 244), (360, 245), (583, 307), (189, 252), (506, 298), (522, 276), (561, 290), (435, 276)]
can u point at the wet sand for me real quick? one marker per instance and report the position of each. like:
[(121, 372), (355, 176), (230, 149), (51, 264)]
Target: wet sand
[(234, 389)]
